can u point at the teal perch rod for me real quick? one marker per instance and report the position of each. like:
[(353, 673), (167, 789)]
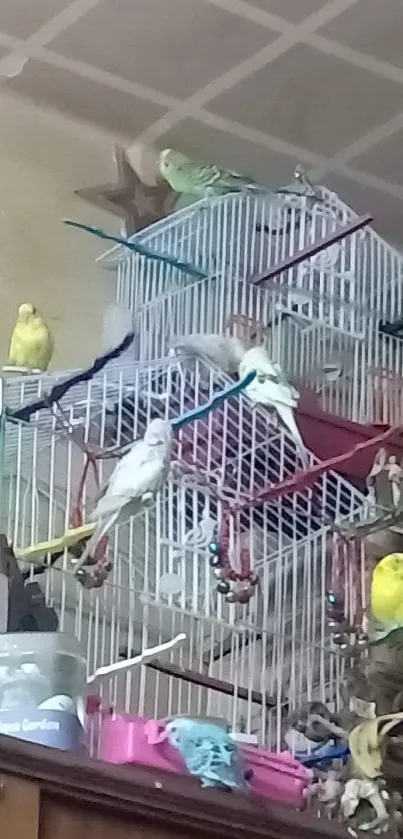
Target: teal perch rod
[(140, 249)]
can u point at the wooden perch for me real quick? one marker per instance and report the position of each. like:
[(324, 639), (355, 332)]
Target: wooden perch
[(210, 683), (311, 250)]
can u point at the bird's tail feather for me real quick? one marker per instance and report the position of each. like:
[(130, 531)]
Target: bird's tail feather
[(108, 505), (287, 415), (100, 531)]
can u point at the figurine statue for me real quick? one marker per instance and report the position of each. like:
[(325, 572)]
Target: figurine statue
[(367, 806), (325, 793)]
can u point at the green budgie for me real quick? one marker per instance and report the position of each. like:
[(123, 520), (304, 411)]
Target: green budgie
[(188, 177)]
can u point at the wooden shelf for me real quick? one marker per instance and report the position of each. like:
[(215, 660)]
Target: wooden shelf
[(71, 797)]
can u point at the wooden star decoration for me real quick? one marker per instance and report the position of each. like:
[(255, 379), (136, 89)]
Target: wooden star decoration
[(137, 203)]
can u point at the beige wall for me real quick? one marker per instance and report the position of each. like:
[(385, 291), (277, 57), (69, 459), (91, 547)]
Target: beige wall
[(43, 158)]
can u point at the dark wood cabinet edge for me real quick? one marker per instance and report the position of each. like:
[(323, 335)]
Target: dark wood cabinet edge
[(158, 797)]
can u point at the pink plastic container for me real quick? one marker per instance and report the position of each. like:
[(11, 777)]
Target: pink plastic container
[(138, 740), (278, 777)]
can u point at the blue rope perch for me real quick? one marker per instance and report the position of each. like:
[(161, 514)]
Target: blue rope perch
[(61, 388), (218, 399), (140, 249)]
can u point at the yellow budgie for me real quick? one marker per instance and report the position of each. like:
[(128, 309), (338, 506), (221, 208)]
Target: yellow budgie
[(31, 344), (387, 590)]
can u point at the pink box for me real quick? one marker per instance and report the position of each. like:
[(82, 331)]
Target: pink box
[(278, 777), (137, 740)]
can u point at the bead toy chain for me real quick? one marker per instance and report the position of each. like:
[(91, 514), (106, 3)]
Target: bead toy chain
[(237, 586), (346, 599)]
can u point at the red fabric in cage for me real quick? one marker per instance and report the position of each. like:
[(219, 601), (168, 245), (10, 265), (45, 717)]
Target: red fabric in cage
[(329, 436)]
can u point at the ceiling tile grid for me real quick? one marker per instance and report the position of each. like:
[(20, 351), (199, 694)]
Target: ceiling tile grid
[(380, 35), (258, 85), (316, 101), (176, 47), (290, 10)]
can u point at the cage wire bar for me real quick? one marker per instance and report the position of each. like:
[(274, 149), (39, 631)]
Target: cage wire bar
[(278, 644)]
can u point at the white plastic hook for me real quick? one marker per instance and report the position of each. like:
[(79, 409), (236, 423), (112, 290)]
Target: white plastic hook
[(142, 658)]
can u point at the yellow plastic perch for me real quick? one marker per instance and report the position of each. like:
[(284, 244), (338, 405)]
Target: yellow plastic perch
[(69, 539)]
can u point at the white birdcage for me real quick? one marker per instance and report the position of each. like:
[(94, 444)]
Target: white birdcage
[(161, 582), (239, 237), (323, 313), (236, 476)]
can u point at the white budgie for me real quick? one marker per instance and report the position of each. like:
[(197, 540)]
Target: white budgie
[(138, 476), (271, 388), (225, 352)]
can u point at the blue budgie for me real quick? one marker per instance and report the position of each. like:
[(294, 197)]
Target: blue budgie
[(201, 180), (208, 751)]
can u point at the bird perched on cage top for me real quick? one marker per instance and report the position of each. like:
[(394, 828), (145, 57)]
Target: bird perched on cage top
[(201, 180), (208, 751), (138, 476), (31, 345), (186, 176), (270, 387)]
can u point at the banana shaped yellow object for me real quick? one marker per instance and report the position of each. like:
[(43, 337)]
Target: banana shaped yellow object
[(365, 743), (387, 590), (69, 539), (31, 345)]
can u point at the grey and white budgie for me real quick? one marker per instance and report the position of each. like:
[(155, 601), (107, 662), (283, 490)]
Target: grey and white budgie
[(225, 352), (270, 387), (136, 479)]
